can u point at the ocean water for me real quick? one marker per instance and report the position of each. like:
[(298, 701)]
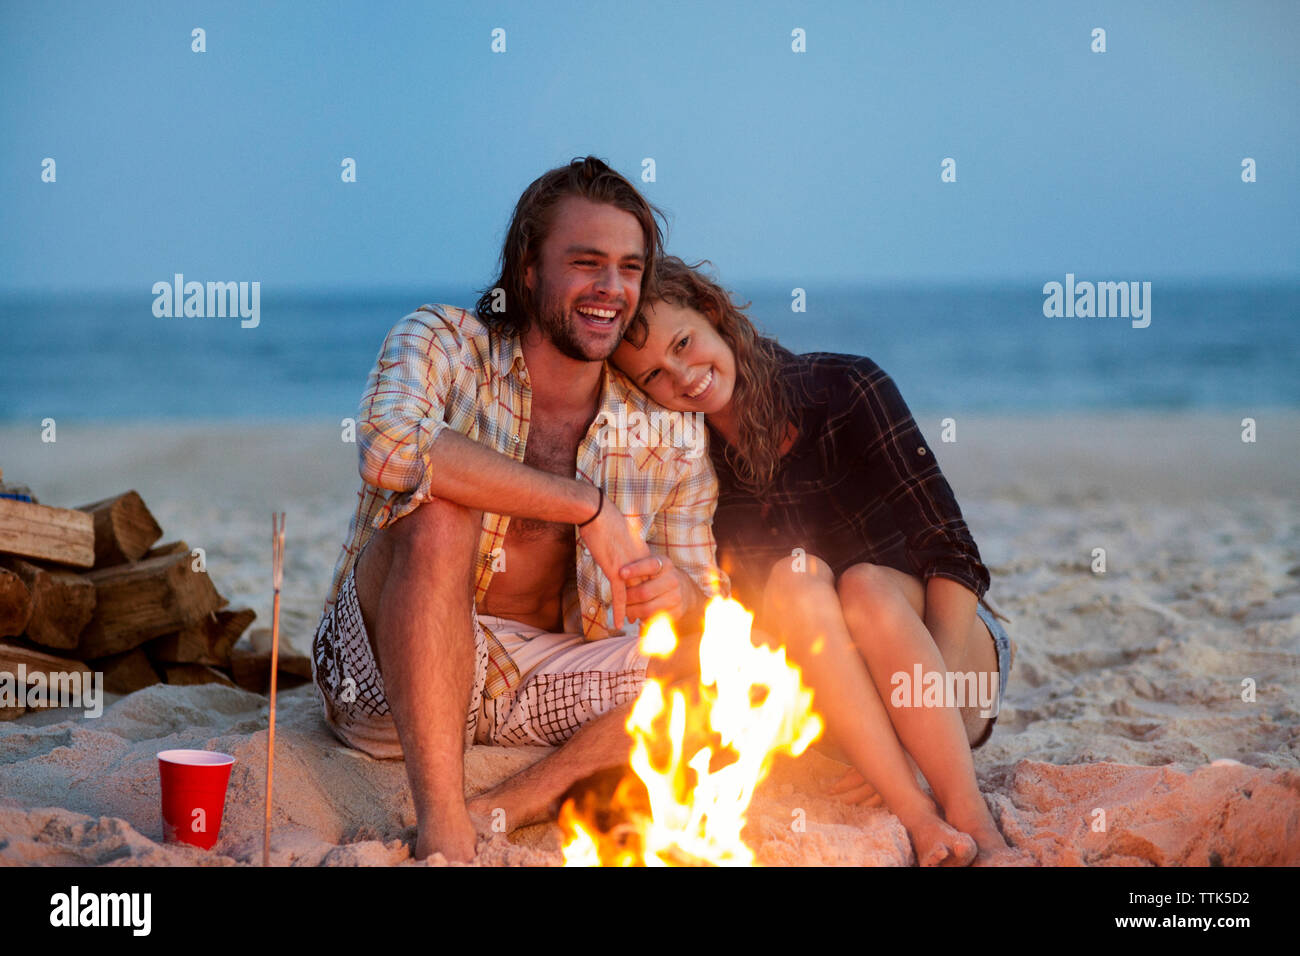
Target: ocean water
[(978, 349)]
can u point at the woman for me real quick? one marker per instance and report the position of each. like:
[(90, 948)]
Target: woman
[(835, 522)]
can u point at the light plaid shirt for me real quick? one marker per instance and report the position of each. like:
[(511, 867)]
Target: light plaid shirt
[(441, 367)]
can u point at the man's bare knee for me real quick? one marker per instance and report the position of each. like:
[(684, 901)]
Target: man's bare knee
[(438, 534), (437, 529)]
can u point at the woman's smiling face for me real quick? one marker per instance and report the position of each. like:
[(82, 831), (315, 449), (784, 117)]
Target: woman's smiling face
[(684, 364)]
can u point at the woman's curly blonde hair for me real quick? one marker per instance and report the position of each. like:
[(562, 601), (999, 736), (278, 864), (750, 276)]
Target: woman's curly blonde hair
[(762, 406)]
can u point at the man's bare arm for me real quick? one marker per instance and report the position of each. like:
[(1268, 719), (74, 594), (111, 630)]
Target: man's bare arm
[(406, 444), (475, 476)]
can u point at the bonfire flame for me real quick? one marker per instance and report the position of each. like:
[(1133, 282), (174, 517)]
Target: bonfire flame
[(699, 752)]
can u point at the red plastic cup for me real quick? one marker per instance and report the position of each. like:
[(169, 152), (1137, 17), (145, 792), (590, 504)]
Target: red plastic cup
[(193, 795)]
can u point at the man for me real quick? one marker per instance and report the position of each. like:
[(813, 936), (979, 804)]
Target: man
[(465, 608)]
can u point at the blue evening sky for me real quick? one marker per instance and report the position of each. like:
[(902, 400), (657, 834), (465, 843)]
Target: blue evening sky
[(821, 166)]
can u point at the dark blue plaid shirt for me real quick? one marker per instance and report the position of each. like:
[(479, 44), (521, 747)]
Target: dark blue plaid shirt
[(859, 485)]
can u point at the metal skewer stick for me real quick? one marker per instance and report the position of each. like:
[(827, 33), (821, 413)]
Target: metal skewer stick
[(277, 576)]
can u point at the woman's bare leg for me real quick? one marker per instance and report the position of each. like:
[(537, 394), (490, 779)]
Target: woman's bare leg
[(884, 611), (802, 610)]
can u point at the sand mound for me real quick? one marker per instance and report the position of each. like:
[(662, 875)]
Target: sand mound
[(336, 807)]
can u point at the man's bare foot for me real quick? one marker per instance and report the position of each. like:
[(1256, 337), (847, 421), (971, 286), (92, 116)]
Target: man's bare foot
[(454, 839), (939, 844), (505, 808), (481, 815)]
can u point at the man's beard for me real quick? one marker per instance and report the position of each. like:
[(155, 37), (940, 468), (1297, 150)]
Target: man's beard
[(555, 323)]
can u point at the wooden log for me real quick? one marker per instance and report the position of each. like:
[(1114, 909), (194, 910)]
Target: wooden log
[(127, 672), (190, 674), (18, 659), (13, 653), (250, 662), (137, 602), (20, 663), (207, 642), (169, 547), (15, 604), (62, 602), (12, 711), (61, 535), (124, 528)]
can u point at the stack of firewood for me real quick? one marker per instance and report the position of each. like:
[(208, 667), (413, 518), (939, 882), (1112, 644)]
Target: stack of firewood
[(90, 587)]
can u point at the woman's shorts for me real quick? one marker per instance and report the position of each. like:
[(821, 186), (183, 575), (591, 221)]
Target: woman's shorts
[(563, 681), (1002, 645)]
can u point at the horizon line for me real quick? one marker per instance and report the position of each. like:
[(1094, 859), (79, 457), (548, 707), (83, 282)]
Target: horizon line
[(766, 282)]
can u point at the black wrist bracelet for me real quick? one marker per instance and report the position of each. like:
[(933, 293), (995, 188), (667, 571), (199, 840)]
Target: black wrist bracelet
[(600, 506)]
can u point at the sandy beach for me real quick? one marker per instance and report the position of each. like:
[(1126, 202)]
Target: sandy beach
[(1126, 695)]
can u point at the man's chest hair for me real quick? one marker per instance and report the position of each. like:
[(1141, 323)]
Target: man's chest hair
[(552, 447)]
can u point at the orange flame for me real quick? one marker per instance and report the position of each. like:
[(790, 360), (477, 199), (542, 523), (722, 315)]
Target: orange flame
[(750, 704)]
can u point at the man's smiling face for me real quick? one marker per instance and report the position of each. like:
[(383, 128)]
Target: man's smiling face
[(586, 278)]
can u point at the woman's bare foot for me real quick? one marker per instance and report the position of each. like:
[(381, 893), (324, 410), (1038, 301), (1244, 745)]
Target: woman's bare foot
[(937, 843), (978, 822), (1007, 856)]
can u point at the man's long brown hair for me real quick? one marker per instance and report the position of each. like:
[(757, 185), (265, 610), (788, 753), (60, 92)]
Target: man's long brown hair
[(761, 403), (589, 178)]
